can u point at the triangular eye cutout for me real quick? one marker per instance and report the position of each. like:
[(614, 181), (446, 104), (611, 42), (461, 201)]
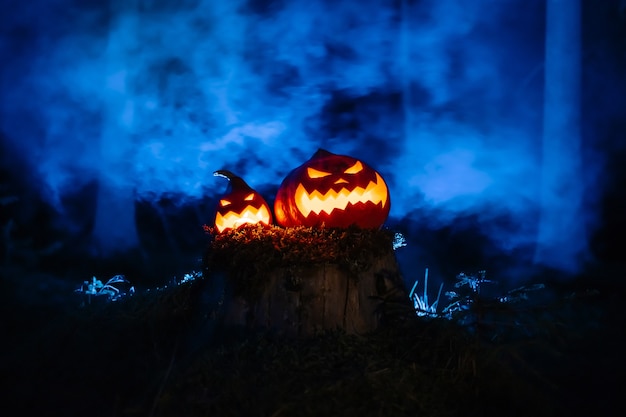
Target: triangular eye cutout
[(249, 197), (224, 202), (356, 168), (314, 173)]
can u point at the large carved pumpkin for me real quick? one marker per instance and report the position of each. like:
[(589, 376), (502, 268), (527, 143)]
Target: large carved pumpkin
[(332, 191), (240, 205)]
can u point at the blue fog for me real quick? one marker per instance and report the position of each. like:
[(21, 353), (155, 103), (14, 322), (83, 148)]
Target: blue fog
[(443, 97)]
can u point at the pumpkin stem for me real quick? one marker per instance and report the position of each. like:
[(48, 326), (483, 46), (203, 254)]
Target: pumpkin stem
[(321, 153), (235, 181)]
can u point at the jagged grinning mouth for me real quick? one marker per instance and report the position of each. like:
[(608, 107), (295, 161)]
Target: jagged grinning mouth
[(317, 202), (248, 215)]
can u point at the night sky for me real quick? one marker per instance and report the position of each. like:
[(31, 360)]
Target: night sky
[(115, 114)]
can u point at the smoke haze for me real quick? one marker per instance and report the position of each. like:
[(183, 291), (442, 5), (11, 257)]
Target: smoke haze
[(443, 97)]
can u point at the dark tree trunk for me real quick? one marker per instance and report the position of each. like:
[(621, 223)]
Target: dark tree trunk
[(304, 300), (299, 281), (115, 230), (562, 239)]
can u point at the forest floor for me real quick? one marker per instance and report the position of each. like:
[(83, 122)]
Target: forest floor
[(159, 353)]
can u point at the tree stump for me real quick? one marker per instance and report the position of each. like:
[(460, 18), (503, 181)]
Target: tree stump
[(300, 281)]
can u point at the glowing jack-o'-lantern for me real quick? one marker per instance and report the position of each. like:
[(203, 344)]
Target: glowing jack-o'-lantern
[(333, 191), (240, 205)]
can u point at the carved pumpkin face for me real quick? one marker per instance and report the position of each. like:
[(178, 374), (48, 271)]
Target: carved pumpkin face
[(334, 191), (240, 205)]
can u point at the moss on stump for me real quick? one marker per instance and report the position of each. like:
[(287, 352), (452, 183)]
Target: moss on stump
[(300, 281)]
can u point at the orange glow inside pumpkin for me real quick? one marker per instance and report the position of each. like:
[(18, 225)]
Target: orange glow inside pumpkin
[(249, 215), (376, 192)]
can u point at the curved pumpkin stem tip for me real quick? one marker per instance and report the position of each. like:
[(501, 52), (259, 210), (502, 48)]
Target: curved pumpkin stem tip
[(235, 181), (224, 173)]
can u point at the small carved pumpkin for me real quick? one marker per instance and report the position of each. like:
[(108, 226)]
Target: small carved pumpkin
[(333, 191), (240, 205)]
